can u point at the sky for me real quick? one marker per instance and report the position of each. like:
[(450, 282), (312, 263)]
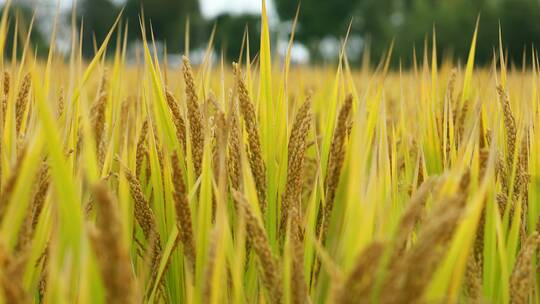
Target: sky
[(211, 8)]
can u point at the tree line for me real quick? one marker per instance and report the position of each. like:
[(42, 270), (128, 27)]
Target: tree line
[(375, 23)]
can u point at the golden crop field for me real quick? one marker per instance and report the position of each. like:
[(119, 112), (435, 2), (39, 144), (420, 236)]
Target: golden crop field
[(265, 182)]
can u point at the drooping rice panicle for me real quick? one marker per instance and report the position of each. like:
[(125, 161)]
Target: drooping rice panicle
[(333, 170), (359, 283), (146, 219), (9, 186), (259, 240), (5, 96), (521, 279), (111, 251), (254, 152), (141, 148), (98, 117), (296, 154), (510, 126), (234, 158), (291, 201), (11, 277), (178, 120), (413, 271), (415, 207), (196, 126), (61, 103), (34, 209), (183, 211), (22, 102)]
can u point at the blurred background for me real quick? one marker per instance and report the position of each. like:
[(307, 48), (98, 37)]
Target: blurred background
[(322, 25)]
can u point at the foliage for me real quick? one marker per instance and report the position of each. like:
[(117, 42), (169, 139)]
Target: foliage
[(262, 182)]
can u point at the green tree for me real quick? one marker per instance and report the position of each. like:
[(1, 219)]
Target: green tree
[(318, 19), (96, 18), (23, 15), (167, 19), (230, 32)]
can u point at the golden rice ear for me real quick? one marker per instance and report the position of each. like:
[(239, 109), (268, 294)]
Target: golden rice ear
[(414, 269), (5, 96), (111, 252), (141, 148), (195, 120), (178, 120), (34, 210), (9, 186), (183, 212), (259, 240), (145, 218), (360, 282), (510, 126), (521, 280), (234, 158), (22, 102), (295, 166), (254, 151)]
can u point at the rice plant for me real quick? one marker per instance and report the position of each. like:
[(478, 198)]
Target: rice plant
[(263, 182)]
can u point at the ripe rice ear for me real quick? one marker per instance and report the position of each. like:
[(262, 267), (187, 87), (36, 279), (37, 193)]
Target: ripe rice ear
[(196, 126), (34, 209), (61, 103), (183, 212), (475, 262), (5, 96), (11, 277), (292, 202), (234, 158), (111, 252), (178, 120), (254, 152), (141, 148), (415, 207), (98, 111), (333, 170), (145, 218), (210, 266), (42, 284), (259, 241), (359, 283), (9, 186), (413, 270), (521, 281), (22, 102), (510, 126), (295, 168), (298, 285)]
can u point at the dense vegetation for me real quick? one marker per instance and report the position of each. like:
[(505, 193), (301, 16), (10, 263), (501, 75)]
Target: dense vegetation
[(259, 182)]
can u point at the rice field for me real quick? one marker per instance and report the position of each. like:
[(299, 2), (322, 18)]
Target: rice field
[(264, 182)]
